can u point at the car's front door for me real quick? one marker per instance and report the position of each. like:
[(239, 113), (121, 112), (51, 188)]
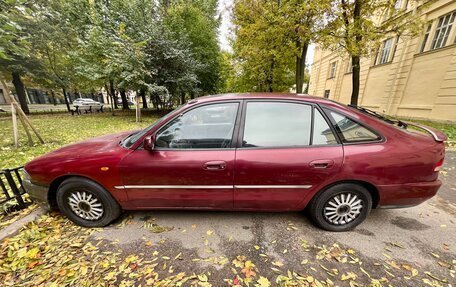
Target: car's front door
[(283, 156), (191, 165)]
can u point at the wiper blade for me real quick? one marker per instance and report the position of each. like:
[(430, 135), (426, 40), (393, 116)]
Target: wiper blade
[(379, 116)]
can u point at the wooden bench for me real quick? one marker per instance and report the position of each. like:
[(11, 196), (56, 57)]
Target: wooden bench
[(87, 109)]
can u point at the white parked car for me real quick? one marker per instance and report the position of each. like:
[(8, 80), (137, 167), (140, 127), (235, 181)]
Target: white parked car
[(84, 103)]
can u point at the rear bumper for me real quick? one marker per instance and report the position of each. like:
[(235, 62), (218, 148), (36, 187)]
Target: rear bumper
[(407, 194), (38, 193)]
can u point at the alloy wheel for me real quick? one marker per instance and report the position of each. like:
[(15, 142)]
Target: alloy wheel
[(342, 208), (85, 205)]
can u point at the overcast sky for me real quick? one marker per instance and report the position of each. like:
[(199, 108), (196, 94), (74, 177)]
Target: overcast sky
[(225, 7)]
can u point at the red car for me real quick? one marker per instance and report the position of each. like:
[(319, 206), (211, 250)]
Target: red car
[(249, 152)]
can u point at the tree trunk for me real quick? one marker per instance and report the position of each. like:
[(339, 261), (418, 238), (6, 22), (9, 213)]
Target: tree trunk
[(356, 58), (153, 99), (113, 93), (110, 98), (20, 91), (156, 101), (123, 96), (355, 80), (182, 97), (301, 67), (142, 93), (67, 103), (270, 77), (53, 98), (192, 95)]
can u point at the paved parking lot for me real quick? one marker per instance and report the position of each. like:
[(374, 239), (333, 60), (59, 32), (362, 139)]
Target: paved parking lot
[(403, 247)]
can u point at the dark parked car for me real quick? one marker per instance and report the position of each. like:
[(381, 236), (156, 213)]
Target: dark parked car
[(249, 152)]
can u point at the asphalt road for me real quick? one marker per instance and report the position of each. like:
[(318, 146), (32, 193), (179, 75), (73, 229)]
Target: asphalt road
[(387, 246)]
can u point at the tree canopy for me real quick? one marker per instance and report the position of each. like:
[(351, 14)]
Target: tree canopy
[(357, 28), (271, 41), (168, 50), (165, 49), (272, 37)]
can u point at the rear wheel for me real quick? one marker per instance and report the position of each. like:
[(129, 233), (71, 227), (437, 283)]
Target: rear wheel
[(341, 207), (87, 203)]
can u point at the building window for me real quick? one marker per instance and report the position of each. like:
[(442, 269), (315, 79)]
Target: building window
[(385, 51), (327, 94), (332, 70), (443, 30), (349, 67), (426, 36)]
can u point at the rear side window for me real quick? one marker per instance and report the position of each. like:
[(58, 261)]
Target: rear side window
[(350, 130), (273, 124), (322, 134)]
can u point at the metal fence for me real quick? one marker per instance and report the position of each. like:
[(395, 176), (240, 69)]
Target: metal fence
[(12, 195)]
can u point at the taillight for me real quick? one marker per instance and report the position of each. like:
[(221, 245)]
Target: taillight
[(438, 166)]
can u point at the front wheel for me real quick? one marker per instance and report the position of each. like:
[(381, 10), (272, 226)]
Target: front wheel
[(87, 203), (341, 207)]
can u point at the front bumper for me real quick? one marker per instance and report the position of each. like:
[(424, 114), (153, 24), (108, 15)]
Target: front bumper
[(38, 193), (407, 194)]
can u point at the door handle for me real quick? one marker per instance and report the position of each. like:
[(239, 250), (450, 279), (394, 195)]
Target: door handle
[(215, 165), (325, 163)]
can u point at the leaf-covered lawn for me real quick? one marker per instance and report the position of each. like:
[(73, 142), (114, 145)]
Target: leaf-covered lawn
[(61, 129)]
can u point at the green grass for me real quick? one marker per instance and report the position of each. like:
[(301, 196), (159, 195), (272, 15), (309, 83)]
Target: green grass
[(61, 129)]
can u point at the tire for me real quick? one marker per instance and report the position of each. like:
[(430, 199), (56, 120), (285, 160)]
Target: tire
[(332, 209), (87, 203)]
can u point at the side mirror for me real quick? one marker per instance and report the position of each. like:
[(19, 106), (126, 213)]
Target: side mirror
[(149, 143)]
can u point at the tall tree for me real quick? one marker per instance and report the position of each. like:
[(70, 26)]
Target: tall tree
[(300, 22), (166, 49), (15, 56), (196, 22), (173, 66), (357, 28), (264, 57), (54, 37), (272, 38)]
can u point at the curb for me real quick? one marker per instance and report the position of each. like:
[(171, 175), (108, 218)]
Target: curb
[(17, 225)]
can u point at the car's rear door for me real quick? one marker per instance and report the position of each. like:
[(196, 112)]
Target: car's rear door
[(286, 150), (192, 164)]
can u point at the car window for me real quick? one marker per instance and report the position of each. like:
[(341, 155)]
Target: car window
[(322, 133), (275, 124), (205, 127), (352, 131)]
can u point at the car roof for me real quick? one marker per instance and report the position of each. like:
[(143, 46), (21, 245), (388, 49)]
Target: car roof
[(268, 96)]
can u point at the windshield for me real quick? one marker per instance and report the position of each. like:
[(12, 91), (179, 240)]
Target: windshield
[(131, 139)]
